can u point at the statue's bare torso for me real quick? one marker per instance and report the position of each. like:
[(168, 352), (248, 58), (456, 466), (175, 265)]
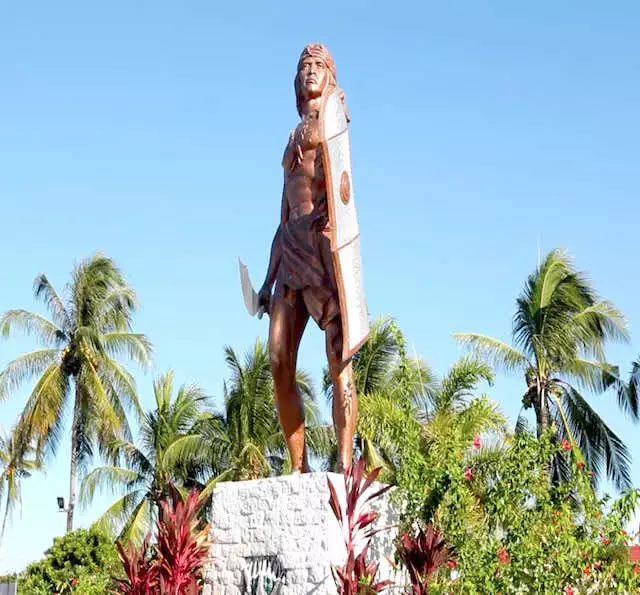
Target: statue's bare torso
[(304, 172)]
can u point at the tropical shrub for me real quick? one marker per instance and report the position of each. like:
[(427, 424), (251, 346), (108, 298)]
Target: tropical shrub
[(356, 575), (561, 329), (82, 562), (140, 569), (8, 578), (182, 543), (511, 528), (173, 565), (422, 552)]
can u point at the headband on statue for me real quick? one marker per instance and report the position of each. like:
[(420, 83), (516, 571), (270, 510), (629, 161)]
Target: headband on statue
[(317, 50)]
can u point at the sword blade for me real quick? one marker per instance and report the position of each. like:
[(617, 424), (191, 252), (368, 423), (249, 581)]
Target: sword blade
[(248, 293)]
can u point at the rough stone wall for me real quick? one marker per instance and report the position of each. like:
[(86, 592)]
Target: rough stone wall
[(288, 518)]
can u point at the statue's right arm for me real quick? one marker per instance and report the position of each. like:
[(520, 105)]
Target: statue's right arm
[(276, 251)]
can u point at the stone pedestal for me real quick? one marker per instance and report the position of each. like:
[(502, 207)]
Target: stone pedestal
[(287, 522)]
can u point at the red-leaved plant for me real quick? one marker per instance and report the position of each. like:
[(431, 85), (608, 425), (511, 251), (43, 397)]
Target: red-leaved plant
[(356, 576), (182, 544), (173, 568), (422, 554), (140, 568)]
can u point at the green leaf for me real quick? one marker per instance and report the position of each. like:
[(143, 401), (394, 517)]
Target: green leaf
[(495, 352), (25, 368), (31, 324)]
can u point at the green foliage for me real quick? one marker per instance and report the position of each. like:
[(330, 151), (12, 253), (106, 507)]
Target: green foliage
[(383, 366), (401, 400), (634, 388), (422, 553), (560, 331), (174, 565), (8, 578), (17, 462), (81, 562), (512, 529), (358, 574), (245, 441), (89, 327), (142, 474)]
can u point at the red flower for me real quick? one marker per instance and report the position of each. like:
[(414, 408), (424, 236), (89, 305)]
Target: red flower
[(502, 555), (597, 565), (476, 442), (566, 445), (569, 591), (452, 563), (585, 555), (635, 569), (587, 570), (468, 473), (598, 515), (74, 581), (580, 465), (606, 541)]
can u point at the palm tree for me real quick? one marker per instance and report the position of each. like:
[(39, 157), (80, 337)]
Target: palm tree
[(245, 441), (634, 388), (17, 464), (560, 330), (449, 419), (391, 387), (383, 366), (457, 415), (77, 369), (145, 473)]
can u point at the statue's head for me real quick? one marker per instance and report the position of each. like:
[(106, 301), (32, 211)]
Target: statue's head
[(316, 73)]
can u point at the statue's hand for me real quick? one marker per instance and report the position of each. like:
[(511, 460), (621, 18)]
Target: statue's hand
[(264, 298)]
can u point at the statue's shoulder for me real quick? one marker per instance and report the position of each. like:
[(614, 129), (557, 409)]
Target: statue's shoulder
[(287, 157)]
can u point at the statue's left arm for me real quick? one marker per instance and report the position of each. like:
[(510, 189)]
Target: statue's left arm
[(264, 295)]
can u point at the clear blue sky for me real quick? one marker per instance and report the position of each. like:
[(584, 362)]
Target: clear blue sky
[(154, 131)]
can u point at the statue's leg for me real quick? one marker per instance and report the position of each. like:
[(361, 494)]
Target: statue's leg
[(345, 400), (288, 318)]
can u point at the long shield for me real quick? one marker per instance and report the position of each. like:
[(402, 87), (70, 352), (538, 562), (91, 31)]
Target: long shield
[(345, 233)]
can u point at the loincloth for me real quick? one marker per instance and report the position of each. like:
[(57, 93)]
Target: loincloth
[(306, 268)]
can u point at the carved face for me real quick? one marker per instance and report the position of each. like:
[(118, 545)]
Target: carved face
[(312, 76)]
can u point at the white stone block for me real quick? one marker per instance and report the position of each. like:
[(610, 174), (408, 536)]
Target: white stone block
[(288, 519)]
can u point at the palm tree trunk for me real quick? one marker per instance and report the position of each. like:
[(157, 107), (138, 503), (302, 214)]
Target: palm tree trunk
[(541, 407), (73, 471), (6, 514), (544, 413)]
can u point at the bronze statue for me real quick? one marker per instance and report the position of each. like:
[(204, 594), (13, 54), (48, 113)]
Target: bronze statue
[(315, 257)]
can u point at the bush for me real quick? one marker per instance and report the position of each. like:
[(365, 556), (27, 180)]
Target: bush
[(174, 565), (81, 562), (8, 578), (513, 530)]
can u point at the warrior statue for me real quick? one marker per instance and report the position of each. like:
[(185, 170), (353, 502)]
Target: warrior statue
[(315, 257)]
